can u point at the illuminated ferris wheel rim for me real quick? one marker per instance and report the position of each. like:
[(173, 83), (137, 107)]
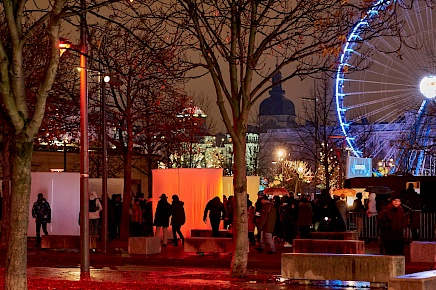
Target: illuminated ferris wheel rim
[(354, 35)]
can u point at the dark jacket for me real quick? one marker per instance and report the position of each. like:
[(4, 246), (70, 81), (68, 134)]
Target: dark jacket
[(287, 212), (268, 215), (216, 209), (391, 222), (163, 213), (358, 206), (41, 211), (304, 214), (178, 216)]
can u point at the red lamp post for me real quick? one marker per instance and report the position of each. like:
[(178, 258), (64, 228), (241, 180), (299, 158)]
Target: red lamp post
[(84, 146)]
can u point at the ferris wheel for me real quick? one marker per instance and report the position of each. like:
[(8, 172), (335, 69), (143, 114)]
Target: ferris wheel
[(385, 96)]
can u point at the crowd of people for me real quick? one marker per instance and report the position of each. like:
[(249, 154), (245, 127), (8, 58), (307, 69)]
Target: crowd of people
[(278, 219), (142, 222), (281, 219)]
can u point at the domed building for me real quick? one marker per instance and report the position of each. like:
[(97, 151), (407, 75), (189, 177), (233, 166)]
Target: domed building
[(276, 111)]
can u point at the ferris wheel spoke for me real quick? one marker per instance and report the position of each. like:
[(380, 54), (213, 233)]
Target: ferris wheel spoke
[(400, 98)]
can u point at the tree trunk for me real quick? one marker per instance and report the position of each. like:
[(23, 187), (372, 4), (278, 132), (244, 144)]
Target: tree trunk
[(16, 260), (240, 220), (125, 216), (6, 190), (149, 177)]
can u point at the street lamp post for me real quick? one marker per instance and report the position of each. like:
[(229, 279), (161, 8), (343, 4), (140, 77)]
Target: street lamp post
[(104, 195), (84, 157), (84, 144), (107, 78)]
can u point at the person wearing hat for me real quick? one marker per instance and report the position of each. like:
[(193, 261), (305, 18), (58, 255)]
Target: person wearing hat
[(162, 218), (391, 222)]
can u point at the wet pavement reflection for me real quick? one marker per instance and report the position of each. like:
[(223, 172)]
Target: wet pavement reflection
[(173, 269), (187, 278)]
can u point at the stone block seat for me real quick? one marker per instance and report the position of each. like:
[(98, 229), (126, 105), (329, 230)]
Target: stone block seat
[(328, 246), (346, 267), (203, 233), (208, 245), (144, 245), (335, 235), (423, 252), (416, 281), (65, 242)]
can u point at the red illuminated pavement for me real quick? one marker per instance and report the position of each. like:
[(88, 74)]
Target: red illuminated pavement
[(171, 269)]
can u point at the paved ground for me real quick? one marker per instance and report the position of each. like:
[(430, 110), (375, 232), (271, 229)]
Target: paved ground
[(171, 269)]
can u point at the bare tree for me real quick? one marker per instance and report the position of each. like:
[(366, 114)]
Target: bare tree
[(29, 59), (144, 109), (318, 130), (29, 42), (234, 40)]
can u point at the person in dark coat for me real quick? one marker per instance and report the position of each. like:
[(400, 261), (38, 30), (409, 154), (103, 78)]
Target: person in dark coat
[(335, 222), (304, 220), (41, 212), (267, 221), (287, 219), (162, 218), (178, 219), (257, 208), (115, 212), (357, 204), (278, 228), (358, 210), (148, 217), (217, 212), (391, 222)]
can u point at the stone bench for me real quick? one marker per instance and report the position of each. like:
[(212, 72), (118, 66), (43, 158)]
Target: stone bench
[(202, 233), (328, 246), (335, 235), (346, 267), (423, 252), (65, 242), (416, 281), (144, 245), (208, 245)]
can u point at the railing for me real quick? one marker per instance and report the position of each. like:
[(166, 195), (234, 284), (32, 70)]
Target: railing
[(367, 226)]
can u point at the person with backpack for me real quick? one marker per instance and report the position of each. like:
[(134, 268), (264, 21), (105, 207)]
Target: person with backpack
[(95, 208), (41, 212)]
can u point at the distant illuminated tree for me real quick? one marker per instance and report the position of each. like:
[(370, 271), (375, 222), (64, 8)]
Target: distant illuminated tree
[(319, 124)]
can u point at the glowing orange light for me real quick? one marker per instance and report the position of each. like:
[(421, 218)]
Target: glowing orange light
[(63, 47)]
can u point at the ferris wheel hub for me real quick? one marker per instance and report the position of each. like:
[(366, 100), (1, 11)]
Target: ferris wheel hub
[(427, 87)]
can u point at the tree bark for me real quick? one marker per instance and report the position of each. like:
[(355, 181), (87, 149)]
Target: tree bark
[(16, 259), (125, 217), (240, 218), (6, 189)]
